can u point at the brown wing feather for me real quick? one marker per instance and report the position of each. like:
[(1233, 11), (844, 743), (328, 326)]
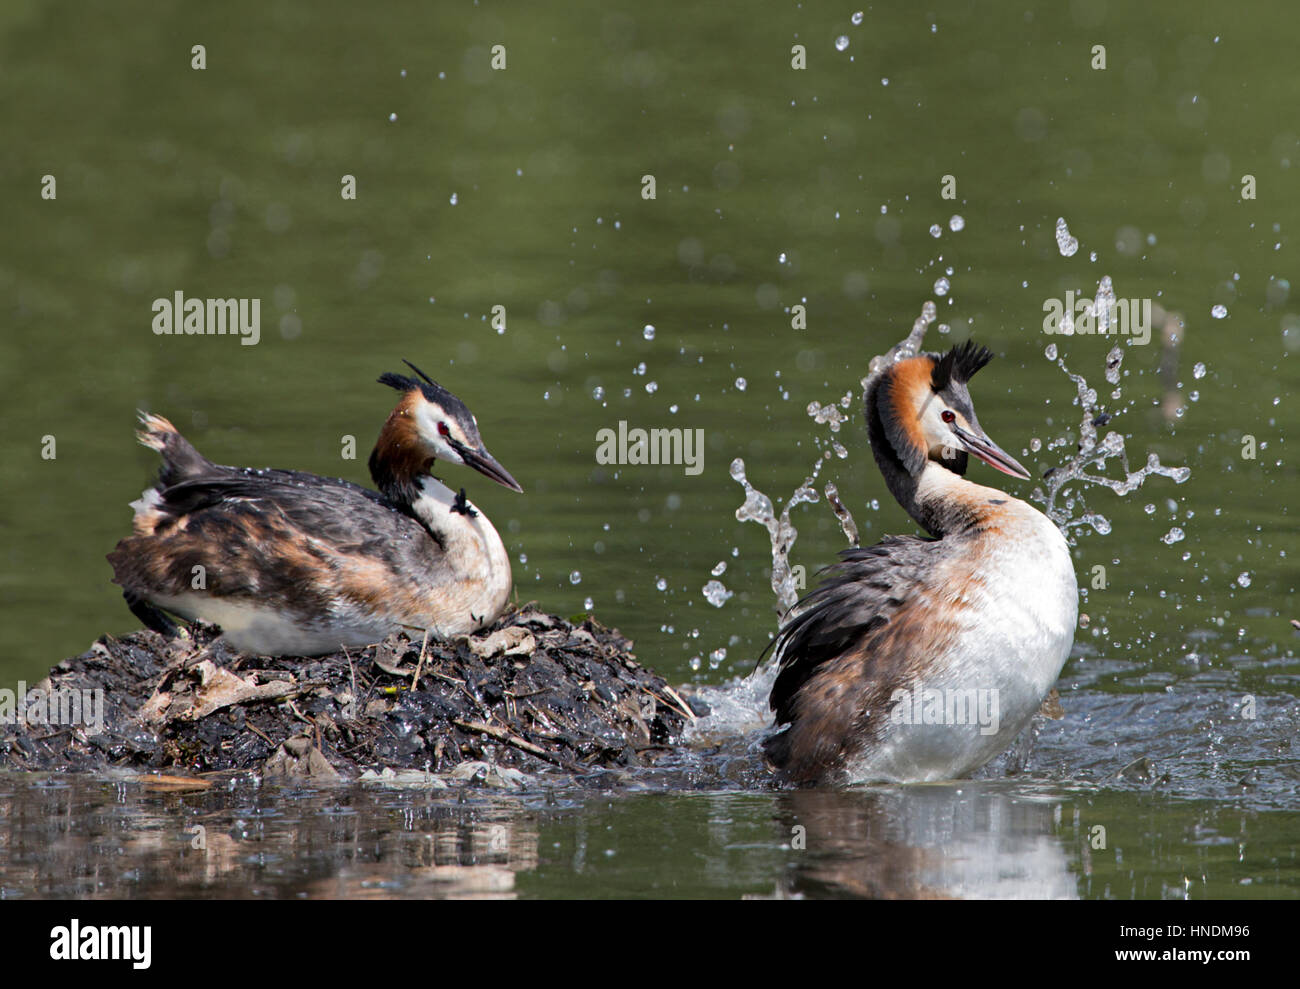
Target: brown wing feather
[(267, 534), (853, 641)]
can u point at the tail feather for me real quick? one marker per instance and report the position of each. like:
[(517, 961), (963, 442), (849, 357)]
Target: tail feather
[(180, 460)]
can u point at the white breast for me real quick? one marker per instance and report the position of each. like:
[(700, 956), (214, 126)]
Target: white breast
[(472, 548), (1013, 639)]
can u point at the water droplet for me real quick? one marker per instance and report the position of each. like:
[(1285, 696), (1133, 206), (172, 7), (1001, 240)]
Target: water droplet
[(661, 584), (936, 230), (651, 387), (720, 569), (857, 19), (842, 42), (956, 222), (453, 198), (1218, 312), (575, 577), (588, 604), (598, 393), (1243, 579), (392, 118), (1198, 370), (941, 286), (648, 332), (1050, 352), (1174, 535), (741, 384), (1066, 244), (716, 593)]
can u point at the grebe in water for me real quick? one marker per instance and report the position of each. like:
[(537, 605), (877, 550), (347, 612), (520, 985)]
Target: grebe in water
[(289, 563), (921, 659)]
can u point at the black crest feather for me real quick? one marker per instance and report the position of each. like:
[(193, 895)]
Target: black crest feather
[(433, 391), (959, 365)]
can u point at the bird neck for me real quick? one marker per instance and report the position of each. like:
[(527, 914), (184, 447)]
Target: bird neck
[(435, 506), (470, 543), (399, 461), (933, 492), (944, 502)]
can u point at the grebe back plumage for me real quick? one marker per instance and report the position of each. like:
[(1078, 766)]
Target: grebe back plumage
[(291, 563), (988, 603)]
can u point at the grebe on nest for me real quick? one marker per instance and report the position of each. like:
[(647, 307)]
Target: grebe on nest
[(289, 563), (921, 659)]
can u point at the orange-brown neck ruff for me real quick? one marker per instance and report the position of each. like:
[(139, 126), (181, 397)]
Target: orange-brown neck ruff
[(400, 457), (909, 380), (894, 430)]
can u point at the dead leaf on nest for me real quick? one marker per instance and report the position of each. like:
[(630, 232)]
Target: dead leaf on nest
[(538, 618), (631, 710), (489, 774), (154, 710), (220, 688), (403, 777), (298, 758), (389, 653), (509, 641)]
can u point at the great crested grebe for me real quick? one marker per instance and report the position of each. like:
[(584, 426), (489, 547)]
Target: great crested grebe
[(289, 563), (921, 659)]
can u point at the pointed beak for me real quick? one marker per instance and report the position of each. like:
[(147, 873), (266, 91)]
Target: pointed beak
[(486, 464), (992, 454)]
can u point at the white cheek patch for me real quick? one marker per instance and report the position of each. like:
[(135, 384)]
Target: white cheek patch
[(937, 434), (428, 422), (445, 450)]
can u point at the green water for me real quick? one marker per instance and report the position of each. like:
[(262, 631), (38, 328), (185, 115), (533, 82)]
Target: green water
[(774, 187)]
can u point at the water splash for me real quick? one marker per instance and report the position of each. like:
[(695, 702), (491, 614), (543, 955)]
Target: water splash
[(757, 507), (1064, 507), (1095, 453)]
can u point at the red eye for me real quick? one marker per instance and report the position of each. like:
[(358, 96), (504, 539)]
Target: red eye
[(442, 428), (947, 415)]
